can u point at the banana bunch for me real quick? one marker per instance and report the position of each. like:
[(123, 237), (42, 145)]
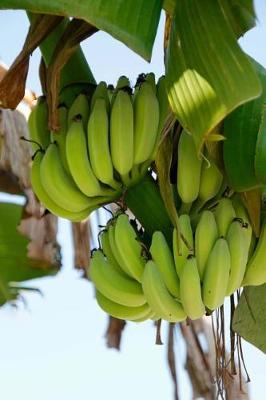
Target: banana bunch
[(198, 178), (128, 285), (103, 145), (116, 270), (188, 278)]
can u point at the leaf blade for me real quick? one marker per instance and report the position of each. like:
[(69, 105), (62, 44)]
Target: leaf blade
[(208, 75), (134, 22)]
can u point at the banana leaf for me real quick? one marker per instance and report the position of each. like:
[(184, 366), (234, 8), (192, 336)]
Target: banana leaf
[(15, 265), (250, 316), (208, 75), (134, 22), (241, 129)]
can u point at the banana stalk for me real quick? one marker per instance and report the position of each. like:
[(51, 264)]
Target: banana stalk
[(145, 202)]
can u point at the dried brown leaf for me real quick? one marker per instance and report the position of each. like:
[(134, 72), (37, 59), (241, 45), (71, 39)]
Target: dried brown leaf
[(12, 86)]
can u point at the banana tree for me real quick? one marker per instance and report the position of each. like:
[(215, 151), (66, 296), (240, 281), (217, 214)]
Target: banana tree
[(214, 95)]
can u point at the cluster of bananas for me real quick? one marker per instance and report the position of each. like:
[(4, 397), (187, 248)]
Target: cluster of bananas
[(207, 262), (102, 146)]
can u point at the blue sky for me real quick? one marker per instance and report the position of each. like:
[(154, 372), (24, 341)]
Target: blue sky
[(55, 348)]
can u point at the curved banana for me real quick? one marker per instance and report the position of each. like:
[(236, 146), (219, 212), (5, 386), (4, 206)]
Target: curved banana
[(129, 248), (237, 245), (101, 92), (98, 144), (216, 275), (60, 136), (80, 106), (158, 297), (210, 181), (115, 252), (60, 186), (182, 250), (165, 110), (46, 200), (37, 123), (150, 78), (243, 215), (190, 289), (122, 312), (188, 169), (112, 284), (163, 258), (146, 120), (224, 215), (122, 83), (122, 133), (107, 250), (150, 315), (256, 271), (206, 234), (79, 163)]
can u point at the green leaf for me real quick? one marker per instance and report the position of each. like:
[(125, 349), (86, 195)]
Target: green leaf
[(134, 22), (260, 153), (240, 13), (208, 75), (250, 316), (241, 129), (15, 265)]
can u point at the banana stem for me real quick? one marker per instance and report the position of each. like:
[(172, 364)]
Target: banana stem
[(126, 179), (145, 202), (185, 208)]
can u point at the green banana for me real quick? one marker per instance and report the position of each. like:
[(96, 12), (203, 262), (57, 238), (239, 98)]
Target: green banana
[(206, 234), (158, 297), (122, 133), (224, 215), (79, 163), (256, 271), (98, 144), (210, 182), (129, 248), (237, 245), (188, 169), (114, 249), (60, 136), (37, 123), (122, 312), (60, 186), (163, 258), (122, 83), (165, 110), (146, 120), (107, 250), (181, 249), (243, 215), (80, 106), (216, 275), (150, 78), (46, 200), (112, 284), (150, 315), (101, 92), (190, 289)]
